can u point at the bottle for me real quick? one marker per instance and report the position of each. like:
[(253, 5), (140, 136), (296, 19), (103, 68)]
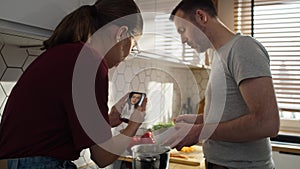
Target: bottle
[(189, 106), (184, 109)]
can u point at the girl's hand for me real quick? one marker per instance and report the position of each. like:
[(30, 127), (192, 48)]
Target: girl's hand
[(120, 104), (139, 114)]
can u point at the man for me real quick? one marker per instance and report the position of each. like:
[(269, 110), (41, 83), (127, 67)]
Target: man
[(241, 111)]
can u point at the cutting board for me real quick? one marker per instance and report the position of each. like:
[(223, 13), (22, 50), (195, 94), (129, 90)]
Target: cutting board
[(191, 158)]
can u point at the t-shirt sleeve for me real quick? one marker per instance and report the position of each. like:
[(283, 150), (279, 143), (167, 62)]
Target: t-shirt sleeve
[(248, 59)]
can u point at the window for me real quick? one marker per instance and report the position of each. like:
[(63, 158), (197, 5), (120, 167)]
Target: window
[(276, 23)]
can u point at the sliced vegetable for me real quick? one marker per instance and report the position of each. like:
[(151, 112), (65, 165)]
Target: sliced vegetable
[(162, 125)]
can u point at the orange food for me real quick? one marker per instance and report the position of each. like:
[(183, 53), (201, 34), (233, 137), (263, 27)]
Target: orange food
[(186, 149)]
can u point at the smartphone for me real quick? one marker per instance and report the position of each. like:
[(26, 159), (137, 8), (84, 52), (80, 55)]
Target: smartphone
[(137, 98)]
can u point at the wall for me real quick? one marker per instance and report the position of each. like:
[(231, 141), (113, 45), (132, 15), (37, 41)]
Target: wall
[(134, 74), (226, 13)]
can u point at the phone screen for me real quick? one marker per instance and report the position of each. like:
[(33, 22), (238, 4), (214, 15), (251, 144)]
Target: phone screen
[(137, 98)]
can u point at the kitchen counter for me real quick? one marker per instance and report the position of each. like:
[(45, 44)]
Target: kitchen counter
[(195, 160), (200, 163), (182, 166), (173, 164)]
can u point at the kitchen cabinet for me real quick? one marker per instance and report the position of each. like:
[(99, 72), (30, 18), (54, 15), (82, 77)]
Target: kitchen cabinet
[(36, 13), (35, 17), (286, 160), (173, 164), (286, 155)]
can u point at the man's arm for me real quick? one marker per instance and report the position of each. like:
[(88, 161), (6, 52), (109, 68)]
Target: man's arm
[(263, 119), (261, 122), (189, 118)]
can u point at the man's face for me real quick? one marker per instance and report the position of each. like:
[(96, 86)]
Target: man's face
[(191, 32)]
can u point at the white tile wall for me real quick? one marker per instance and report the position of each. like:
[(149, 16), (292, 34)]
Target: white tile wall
[(2, 66), (2, 96), (14, 56), (2, 106), (28, 61), (160, 80), (9, 79)]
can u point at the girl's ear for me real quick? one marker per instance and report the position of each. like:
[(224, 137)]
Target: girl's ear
[(121, 33)]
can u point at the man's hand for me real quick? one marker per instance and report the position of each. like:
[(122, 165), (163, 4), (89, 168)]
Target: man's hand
[(184, 135), (189, 118)]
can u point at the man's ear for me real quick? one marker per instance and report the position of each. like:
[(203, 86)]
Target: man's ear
[(201, 17), (121, 33)]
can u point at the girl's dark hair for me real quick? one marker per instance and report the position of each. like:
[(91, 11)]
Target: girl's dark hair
[(86, 20), (190, 6)]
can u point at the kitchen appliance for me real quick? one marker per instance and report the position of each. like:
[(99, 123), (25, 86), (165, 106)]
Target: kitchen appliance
[(150, 156)]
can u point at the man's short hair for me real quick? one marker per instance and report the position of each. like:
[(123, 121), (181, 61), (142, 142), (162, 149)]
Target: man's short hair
[(189, 7)]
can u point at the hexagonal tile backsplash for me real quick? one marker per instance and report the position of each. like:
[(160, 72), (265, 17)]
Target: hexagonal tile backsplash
[(13, 56), (167, 85)]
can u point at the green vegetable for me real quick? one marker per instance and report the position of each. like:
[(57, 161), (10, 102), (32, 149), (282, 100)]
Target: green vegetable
[(162, 125)]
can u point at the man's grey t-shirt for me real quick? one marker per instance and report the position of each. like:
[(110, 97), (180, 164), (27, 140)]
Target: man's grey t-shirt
[(241, 58)]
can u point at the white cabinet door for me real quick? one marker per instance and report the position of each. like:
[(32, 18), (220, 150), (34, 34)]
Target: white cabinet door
[(39, 13), (286, 161)]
